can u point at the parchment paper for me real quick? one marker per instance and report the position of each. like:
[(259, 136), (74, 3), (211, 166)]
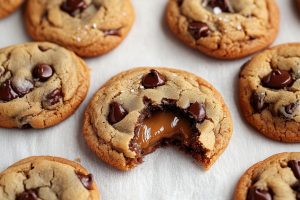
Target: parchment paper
[(167, 173)]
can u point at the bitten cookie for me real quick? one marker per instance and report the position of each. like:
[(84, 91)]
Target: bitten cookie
[(41, 84), (87, 27), (269, 92), (139, 110), (8, 6), (49, 178), (226, 29), (277, 178)]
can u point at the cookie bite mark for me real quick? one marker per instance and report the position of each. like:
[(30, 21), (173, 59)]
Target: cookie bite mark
[(143, 109), (167, 124)]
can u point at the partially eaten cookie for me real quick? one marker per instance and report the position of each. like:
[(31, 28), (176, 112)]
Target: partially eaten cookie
[(142, 109)]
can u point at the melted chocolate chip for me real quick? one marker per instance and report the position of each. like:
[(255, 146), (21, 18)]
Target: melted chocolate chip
[(197, 111), (27, 195), (222, 4), (42, 72), (153, 79), (295, 166), (258, 101), (179, 2), (116, 113), (86, 180), (198, 30), (277, 79), (7, 92), (70, 6), (296, 188), (114, 32), (258, 194), (289, 109), (23, 88), (54, 96)]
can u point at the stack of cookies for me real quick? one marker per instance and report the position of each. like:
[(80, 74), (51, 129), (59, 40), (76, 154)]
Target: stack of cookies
[(137, 111)]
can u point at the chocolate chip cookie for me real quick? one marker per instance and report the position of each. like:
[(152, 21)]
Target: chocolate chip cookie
[(269, 92), (8, 6), (88, 27), (41, 84), (45, 177), (142, 109), (277, 177), (226, 29)]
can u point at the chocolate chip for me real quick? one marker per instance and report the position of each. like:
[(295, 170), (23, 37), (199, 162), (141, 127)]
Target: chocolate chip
[(288, 110), (291, 108), (197, 111), (70, 6), (86, 180), (258, 194), (23, 87), (54, 96), (296, 188), (26, 126), (153, 79), (116, 113), (277, 79), (7, 92), (27, 195), (43, 48), (198, 30), (222, 4), (295, 166), (42, 72), (114, 32), (179, 2), (258, 101)]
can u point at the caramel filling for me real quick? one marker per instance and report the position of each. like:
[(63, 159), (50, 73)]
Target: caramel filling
[(162, 125)]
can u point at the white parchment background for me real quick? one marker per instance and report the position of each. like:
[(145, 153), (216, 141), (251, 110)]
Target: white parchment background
[(167, 173)]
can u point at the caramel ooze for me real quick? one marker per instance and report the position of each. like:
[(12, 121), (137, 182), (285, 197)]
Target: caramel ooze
[(162, 125)]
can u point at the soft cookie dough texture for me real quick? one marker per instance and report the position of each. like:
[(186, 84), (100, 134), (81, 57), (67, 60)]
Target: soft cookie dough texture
[(93, 29), (226, 29), (273, 112), (275, 178), (113, 143), (48, 178), (41, 84), (8, 6)]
